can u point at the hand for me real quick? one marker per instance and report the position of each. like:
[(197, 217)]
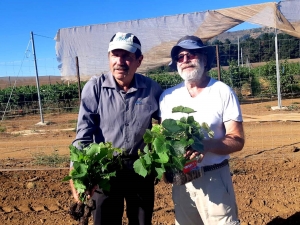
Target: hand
[(90, 192), (192, 154)]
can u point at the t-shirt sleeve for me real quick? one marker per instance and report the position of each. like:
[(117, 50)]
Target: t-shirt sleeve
[(232, 109)]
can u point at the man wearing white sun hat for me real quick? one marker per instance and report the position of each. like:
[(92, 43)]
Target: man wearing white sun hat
[(118, 107), (207, 199)]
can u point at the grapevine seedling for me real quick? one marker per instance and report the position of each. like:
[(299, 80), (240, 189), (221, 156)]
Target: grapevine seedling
[(93, 166), (166, 144)]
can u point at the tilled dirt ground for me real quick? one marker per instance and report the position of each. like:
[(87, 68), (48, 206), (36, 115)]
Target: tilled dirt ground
[(266, 172)]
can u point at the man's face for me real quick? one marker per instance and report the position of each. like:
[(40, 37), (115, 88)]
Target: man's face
[(190, 65), (123, 64)]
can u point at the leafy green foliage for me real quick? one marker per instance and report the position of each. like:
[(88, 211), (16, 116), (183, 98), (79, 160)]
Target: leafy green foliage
[(236, 77), (25, 98), (166, 79), (167, 144), (287, 80), (93, 165), (261, 49)]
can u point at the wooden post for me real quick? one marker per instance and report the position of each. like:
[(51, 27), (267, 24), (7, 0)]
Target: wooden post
[(78, 79), (218, 63)]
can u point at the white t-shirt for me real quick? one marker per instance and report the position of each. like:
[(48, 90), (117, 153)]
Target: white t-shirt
[(216, 104)]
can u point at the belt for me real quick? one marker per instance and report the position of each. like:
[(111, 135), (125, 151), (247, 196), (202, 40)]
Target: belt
[(180, 178), (215, 166)]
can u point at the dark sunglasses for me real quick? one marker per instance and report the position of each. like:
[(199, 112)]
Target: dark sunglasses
[(189, 55)]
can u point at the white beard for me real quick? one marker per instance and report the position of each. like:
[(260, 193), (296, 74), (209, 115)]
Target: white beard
[(195, 74)]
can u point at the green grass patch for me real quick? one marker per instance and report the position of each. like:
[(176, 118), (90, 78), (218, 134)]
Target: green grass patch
[(293, 107), (268, 107), (52, 160), (2, 129)]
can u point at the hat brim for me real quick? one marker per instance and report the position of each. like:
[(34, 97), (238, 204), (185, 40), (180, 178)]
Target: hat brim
[(210, 52), (122, 46)]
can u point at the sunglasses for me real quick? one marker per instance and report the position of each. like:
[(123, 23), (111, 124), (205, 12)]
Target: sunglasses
[(189, 55)]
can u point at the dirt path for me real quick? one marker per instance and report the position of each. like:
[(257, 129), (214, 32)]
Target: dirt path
[(265, 173)]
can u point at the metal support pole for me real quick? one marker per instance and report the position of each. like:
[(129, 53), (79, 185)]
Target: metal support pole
[(277, 71), (37, 77), (78, 79), (238, 51), (218, 63)]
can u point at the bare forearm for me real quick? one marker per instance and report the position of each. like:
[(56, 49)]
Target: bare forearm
[(74, 192), (224, 146)]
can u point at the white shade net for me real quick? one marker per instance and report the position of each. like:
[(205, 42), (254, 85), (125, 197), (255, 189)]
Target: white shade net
[(158, 35)]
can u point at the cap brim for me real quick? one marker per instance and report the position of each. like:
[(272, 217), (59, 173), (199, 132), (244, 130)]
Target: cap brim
[(125, 47)]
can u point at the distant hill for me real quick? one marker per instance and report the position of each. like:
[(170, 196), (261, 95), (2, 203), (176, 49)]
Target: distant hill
[(242, 34)]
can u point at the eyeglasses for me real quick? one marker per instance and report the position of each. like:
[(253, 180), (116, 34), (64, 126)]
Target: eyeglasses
[(189, 55)]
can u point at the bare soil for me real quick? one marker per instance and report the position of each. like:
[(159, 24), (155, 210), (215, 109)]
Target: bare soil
[(265, 173)]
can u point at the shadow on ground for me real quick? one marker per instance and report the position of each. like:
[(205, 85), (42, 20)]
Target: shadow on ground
[(292, 220)]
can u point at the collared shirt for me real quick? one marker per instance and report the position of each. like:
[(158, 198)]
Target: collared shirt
[(109, 114)]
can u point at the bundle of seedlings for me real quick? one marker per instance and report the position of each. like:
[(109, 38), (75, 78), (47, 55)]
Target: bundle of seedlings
[(165, 154), (93, 166)]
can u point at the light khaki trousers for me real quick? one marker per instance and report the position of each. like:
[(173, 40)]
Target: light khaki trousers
[(208, 200)]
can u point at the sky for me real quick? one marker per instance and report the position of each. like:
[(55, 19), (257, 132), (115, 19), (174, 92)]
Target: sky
[(18, 18)]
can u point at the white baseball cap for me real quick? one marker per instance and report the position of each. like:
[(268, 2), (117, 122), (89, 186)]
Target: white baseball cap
[(125, 41)]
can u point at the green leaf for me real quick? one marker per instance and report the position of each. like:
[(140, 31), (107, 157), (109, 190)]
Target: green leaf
[(197, 145), (148, 159), (172, 126), (190, 120), (93, 149), (148, 137), (80, 187), (67, 178), (179, 147), (74, 153), (158, 144), (178, 162), (139, 168), (107, 176), (156, 128), (80, 168), (183, 110), (183, 120), (160, 171), (163, 158), (146, 149)]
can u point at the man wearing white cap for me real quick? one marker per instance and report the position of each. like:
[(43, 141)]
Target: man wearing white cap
[(118, 107), (207, 199)]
